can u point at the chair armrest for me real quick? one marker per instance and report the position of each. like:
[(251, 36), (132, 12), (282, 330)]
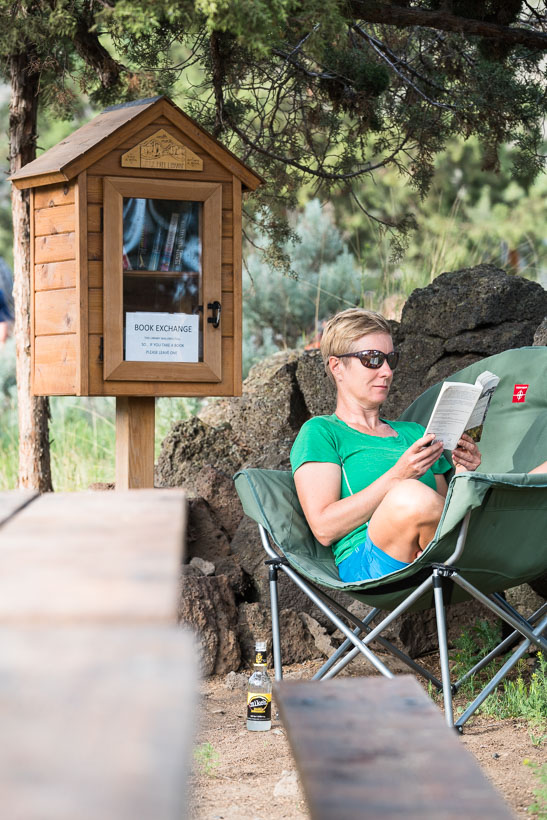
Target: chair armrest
[(467, 491)]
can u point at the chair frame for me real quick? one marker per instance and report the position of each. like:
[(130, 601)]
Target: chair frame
[(531, 630)]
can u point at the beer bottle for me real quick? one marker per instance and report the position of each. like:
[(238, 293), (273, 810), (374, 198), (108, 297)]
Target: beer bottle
[(259, 693)]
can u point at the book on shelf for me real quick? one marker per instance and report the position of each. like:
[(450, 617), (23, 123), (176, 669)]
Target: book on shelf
[(156, 250), (169, 242), (181, 238), (461, 408), (143, 247)]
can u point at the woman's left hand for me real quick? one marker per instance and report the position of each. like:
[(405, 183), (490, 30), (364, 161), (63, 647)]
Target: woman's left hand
[(467, 455)]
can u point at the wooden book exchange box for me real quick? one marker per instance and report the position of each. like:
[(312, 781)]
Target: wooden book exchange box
[(136, 258)]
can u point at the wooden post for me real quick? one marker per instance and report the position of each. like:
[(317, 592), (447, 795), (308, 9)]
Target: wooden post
[(135, 416)]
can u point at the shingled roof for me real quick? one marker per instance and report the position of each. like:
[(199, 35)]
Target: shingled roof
[(92, 141)]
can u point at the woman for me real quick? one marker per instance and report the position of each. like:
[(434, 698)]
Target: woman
[(372, 490)]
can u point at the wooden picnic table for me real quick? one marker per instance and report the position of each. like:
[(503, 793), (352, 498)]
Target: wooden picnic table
[(98, 685), (369, 748)]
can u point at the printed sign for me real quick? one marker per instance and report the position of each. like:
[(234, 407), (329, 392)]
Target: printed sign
[(161, 337), (519, 393)]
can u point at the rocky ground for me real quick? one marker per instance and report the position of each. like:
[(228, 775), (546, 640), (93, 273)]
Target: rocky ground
[(241, 775)]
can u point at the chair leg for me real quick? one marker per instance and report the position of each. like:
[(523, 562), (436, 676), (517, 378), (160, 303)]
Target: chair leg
[(443, 647), (276, 641)]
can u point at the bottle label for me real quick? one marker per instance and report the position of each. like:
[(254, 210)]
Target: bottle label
[(259, 706), (261, 659)]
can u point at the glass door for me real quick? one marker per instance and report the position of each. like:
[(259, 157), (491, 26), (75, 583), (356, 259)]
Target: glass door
[(162, 280)]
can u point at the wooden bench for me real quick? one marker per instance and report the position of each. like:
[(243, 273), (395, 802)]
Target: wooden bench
[(93, 556), (12, 501), (98, 686), (379, 748)]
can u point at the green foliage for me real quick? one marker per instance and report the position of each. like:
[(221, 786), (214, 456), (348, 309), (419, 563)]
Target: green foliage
[(207, 758), (519, 698), (284, 310), (472, 645), (539, 806)]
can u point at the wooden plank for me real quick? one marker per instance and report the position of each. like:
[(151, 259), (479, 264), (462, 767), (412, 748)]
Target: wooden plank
[(52, 195), (55, 365), (227, 273), (60, 219), (113, 283), (55, 275), (37, 181), (95, 247), (227, 223), (94, 188), (95, 308), (373, 747), (97, 722), (227, 251), (94, 218), (93, 557), (95, 273), (57, 248), (82, 371), (237, 319), (56, 311), (227, 314), (135, 424), (11, 501), (32, 294), (99, 387), (227, 195)]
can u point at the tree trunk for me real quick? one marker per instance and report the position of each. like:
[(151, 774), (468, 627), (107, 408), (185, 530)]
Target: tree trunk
[(34, 460)]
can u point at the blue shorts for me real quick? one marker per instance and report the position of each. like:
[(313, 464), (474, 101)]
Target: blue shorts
[(367, 561)]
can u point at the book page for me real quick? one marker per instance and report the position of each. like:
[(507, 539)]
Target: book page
[(487, 382), (451, 413)]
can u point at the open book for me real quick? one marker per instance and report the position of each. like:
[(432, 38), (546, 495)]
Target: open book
[(461, 408)]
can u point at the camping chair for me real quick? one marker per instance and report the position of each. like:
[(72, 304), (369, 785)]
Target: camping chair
[(492, 536)]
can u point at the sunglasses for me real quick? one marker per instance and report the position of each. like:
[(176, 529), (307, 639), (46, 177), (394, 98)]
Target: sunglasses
[(374, 358)]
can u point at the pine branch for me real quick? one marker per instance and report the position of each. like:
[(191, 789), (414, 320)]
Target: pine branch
[(94, 54), (375, 11)]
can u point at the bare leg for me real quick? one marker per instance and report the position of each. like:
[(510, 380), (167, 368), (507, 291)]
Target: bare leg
[(541, 469), (405, 521)]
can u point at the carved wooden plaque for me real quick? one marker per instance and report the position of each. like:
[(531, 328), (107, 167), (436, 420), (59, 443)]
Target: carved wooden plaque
[(162, 150)]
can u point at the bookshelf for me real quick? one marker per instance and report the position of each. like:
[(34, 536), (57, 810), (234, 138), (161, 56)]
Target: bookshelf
[(136, 221), (102, 196)]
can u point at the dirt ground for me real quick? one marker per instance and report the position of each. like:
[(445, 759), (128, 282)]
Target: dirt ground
[(241, 775)]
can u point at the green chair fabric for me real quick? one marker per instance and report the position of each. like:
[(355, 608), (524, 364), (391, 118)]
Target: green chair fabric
[(507, 538), (515, 433)]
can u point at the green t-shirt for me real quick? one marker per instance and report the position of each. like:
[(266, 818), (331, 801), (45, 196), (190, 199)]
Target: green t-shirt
[(363, 459)]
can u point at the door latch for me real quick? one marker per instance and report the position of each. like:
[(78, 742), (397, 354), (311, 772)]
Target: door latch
[(216, 307)]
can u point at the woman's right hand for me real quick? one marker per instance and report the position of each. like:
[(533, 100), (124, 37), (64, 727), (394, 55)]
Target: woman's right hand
[(419, 457)]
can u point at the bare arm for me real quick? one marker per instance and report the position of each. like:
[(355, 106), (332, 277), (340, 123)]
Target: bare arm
[(331, 517)]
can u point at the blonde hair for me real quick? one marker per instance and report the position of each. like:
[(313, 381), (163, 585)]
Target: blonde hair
[(345, 328)]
